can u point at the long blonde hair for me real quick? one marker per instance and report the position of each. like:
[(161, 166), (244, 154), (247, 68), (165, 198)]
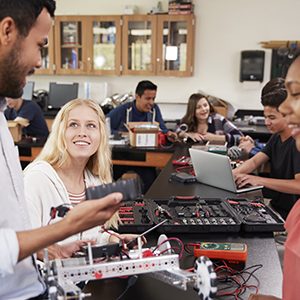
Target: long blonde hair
[(55, 150)]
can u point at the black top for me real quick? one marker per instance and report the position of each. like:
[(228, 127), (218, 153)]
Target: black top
[(32, 112), (285, 164)]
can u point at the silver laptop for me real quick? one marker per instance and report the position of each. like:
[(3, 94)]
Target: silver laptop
[(215, 170)]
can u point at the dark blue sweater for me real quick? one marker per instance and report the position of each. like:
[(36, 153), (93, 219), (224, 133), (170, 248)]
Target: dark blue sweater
[(32, 112), (129, 113)]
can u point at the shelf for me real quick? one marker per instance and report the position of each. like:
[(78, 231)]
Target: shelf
[(279, 44), (71, 46)]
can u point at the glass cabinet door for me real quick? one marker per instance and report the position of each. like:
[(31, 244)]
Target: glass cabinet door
[(175, 47), (139, 34), (105, 41), (70, 51), (47, 56)]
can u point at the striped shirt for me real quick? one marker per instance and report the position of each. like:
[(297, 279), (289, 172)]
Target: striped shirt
[(217, 124), (76, 198)]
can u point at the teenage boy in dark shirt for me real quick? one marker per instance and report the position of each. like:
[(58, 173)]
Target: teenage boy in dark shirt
[(283, 186)]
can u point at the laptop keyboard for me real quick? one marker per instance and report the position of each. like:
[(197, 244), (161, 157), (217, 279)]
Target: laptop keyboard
[(248, 185)]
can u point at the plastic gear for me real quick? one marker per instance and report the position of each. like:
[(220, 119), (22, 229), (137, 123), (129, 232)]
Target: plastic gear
[(206, 285)]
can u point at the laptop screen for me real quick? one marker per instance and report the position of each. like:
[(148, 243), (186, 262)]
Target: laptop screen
[(215, 170)]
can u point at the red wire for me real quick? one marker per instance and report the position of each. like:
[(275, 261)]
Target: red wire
[(113, 234), (176, 240), (252, 286), (172, 248), (188, 249), (235, 276), (189, 169), (190, 269)]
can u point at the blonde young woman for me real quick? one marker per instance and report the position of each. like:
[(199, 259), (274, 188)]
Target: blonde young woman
[(75, 156)]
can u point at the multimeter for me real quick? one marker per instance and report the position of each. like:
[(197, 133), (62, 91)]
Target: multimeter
[(223, 251)]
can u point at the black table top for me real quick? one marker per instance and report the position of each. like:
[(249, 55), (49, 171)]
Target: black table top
[(173, 188), (261, 250), (261, 247), (29, 142)]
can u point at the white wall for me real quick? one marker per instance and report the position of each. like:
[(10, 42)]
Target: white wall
[(223, 29)]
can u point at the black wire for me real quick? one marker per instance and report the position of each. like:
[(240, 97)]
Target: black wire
[(251, 267), (251, 273), (131, 281), (232, 281), (188, 250), (124, 253)]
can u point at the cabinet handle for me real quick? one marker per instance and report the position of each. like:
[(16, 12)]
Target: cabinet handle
[(89, 64)]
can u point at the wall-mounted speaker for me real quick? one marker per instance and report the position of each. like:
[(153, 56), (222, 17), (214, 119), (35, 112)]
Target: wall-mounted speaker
[(252, 65)]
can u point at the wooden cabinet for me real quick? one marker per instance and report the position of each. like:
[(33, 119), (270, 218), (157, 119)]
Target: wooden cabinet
[(88, 45), (70, 45), (158, 45), (138, 45), (175, 45), (151, 45), (104, 45)]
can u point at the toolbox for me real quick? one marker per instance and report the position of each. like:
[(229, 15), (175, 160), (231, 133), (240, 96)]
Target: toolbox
[(193, 214), (255, 216), (135, 217)]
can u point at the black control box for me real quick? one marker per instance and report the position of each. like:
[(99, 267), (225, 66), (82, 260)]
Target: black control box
[(130, 189), (107, 250), (182, 177)]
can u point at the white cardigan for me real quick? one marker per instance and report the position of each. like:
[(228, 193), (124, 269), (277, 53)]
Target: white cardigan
[(44, 189)]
